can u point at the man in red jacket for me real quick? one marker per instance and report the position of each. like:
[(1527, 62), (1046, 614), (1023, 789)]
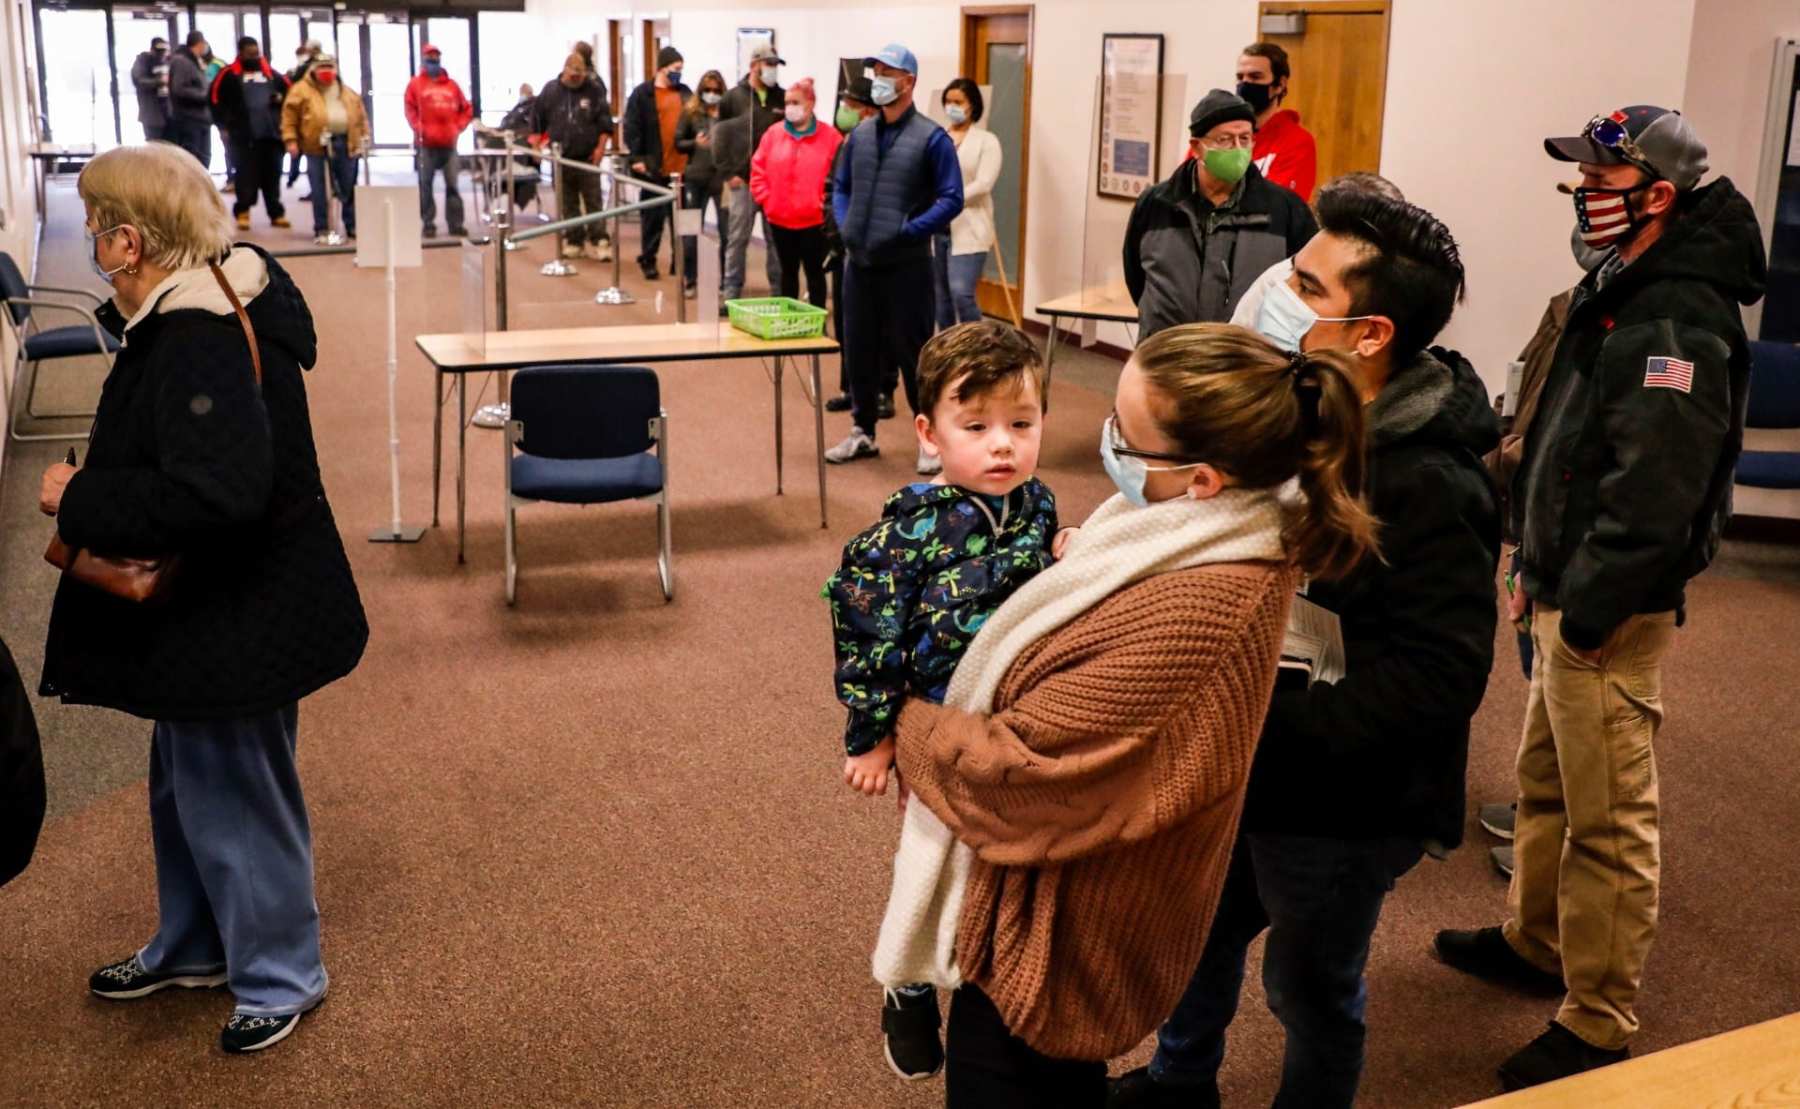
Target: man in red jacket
[(437, 111), (1284, 150)]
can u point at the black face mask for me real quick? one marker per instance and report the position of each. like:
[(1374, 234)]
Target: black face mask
[(160, 51), (252, 61), (1257, 96)]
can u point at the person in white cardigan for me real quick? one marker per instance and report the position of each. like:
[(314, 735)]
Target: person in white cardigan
[(961, 256)]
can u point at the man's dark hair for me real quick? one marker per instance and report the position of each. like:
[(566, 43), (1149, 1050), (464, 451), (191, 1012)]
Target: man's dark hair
[(196, 37), (1278, 62), (248, 40), (971, 90), (1409, 271), (992, 354), (158, 41)]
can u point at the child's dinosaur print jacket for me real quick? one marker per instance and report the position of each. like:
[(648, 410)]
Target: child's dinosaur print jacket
[(915, 588)]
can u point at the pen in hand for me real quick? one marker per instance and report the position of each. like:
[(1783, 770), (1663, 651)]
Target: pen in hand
[(71, 459)]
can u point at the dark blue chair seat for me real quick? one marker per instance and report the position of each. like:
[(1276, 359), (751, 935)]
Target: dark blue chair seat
[(1769, 469), (586, 480), (66, 342)]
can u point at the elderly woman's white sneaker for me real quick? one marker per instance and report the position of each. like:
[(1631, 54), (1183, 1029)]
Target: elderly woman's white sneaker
[(127, 980)]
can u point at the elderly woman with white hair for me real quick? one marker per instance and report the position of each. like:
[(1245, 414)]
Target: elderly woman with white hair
[(202, 461)]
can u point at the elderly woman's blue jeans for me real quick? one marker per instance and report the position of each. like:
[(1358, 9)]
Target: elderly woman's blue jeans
[(342, 168), (234, 864)]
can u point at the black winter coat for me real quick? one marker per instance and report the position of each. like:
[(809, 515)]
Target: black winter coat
[(643, 127), (21, 773), (188, 458), (740, 100), (1625, 484), (578, 118), (1383, 751)]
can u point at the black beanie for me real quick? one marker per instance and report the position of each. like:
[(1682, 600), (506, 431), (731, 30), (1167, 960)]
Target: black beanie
[(1216, 107), (667, 57)]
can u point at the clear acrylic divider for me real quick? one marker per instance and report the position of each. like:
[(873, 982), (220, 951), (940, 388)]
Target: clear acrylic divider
[(1121, 168), (477, 301)]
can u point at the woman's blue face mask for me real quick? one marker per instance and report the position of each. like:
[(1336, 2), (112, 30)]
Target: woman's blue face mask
[(93, 239)]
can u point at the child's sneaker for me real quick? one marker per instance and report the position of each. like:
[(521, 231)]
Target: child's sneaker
[(909, 1023)]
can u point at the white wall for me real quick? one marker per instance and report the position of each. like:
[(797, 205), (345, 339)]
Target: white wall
[(1728, 79)]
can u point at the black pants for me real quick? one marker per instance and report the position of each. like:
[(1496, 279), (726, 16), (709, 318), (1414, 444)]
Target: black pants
[(797, 247), (580, 194), (887, 317), (699, 196), (258, 171), (155, 132), (193, 136), (987, 1067), (651, 221)]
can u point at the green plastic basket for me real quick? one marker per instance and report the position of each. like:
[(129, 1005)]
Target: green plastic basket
[(776, 318)]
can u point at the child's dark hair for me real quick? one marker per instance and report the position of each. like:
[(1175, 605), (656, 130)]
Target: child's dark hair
[(991, 353), (1261, 416)]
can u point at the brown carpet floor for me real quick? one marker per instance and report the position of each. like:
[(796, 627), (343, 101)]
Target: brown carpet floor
[(594, 850)]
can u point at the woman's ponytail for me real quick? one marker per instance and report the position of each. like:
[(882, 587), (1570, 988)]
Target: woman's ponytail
[(1333, 530)]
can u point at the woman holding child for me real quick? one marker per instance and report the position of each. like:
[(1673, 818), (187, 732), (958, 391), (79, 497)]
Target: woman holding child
[(1078, 789)]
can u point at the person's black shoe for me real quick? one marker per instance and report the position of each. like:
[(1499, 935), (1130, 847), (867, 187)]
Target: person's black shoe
[(428, 231), (127, 980), (839, 403), (885, 410), (459, 232), (649, 270), (1137, 1090), (1485, 954), (1558, 1053), (909, 1025), (244, 1032)]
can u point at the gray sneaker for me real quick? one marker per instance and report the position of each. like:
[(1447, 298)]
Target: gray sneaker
[(1503, 859), (929, 464), (1498, 818), (856, 445)]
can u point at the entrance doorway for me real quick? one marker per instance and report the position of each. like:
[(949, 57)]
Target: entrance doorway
[(1339, 80), (996, 54)]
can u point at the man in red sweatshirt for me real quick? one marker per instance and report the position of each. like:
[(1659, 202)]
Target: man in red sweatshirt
[(437, 111), (1284, 150)]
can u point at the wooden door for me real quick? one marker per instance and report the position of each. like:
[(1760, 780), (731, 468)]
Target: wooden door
[(1339, 78), (996, 55), (656, 36)]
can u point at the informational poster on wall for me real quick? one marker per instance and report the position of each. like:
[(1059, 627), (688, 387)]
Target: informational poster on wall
[(748, 39), (1130, 113)]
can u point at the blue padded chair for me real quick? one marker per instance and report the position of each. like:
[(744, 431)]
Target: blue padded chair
[(36, 345), (585, 435), (1774, 403)]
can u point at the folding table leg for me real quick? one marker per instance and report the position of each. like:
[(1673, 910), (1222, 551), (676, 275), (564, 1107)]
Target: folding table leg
[(462, 459), (818, 399), (437, 441), (778, 425), (1049, 358)]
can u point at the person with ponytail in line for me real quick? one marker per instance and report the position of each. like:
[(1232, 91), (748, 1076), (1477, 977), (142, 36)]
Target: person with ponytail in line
[(1075, 799), (1357, 778)]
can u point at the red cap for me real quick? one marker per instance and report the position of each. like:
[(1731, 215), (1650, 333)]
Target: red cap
[(429, 49)]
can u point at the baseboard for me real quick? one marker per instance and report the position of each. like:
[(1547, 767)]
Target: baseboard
[(1039, 329)]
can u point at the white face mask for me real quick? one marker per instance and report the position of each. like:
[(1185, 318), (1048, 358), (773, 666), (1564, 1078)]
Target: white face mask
[(769, 74), (710, 98), (957, 113), (1128, 471), (797, 114), (1284, 319), (106, 275), (883, 91)]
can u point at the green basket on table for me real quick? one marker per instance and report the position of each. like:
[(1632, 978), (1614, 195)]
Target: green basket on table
[(776, 318)]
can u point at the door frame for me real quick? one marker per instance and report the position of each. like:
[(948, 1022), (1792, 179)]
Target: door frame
[(971, 16)]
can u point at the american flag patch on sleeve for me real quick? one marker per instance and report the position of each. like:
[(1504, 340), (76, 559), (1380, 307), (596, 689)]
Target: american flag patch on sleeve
[(1669, 373)]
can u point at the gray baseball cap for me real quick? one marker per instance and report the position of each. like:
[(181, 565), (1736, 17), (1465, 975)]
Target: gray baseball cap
[(1658, 141)]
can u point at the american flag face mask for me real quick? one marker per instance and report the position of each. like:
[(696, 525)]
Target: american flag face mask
[(1604, 216)]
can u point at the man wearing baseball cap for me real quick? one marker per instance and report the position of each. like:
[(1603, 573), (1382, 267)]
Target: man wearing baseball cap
[(1198, 242), (897, 183), (1622, 491), (759, 96), (438, 112)]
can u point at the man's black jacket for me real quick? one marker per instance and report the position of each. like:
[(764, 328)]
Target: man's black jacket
[(1625, 483), (643, 126), (1383, 751)]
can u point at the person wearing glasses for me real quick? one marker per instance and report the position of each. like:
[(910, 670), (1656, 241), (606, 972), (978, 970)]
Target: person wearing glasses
[(1198, 241), (1621, 494)]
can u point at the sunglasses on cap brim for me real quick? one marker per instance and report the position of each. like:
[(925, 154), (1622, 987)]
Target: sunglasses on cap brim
[(1610, 134)]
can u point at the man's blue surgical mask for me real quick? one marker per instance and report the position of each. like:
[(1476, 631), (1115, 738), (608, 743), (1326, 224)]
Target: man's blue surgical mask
[(1128, 471), (1284, 318), (883, 91), (434, 70)]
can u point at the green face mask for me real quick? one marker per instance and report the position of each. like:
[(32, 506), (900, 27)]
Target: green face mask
[(848, 118), (1228, 165)]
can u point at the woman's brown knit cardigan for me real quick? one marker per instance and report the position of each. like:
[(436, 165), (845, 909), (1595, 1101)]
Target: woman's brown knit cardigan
[(1101, 799)]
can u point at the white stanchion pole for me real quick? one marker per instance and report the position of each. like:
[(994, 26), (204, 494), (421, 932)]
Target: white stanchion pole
[(397, 533)]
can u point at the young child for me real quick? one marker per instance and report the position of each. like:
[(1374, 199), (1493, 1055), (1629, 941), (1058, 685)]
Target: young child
[(915, 588)]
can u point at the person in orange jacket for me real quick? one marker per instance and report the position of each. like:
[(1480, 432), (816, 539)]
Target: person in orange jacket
[(1284, 152), (437, 111)]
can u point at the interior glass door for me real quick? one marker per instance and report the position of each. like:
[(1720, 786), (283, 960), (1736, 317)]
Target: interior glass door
[(78, 78), (390, 69), (504, 66)]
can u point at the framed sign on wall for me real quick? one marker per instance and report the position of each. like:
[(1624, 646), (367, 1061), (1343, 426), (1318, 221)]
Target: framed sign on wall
[(748, 39), (1130, 114)]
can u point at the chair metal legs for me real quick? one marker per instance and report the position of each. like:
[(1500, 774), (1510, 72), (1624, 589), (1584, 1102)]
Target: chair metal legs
[(512, 553), (13, 415), (665, 558)]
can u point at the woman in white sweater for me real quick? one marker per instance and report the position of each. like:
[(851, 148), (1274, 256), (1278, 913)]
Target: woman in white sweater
[(961, 256)]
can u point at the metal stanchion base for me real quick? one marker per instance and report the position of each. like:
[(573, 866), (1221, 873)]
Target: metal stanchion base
[(558, 267), (512, 246), (614, 296), (493, 416), (404, 535)]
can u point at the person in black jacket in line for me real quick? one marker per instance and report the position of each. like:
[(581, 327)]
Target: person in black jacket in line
[(651, 117), (247, 99), (190, 100), (150, 77), (1621, 495), (21, 772), (1355, 778), (192, 456), (574, 112)]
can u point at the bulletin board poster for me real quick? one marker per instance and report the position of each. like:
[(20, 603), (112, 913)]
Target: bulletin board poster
[(1130, 113)]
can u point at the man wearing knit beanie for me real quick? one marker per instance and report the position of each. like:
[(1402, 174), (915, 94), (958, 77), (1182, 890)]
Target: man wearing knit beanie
[(1197, 241), (651, 116)]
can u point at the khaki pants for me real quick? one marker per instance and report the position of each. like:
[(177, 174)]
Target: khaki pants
[(1586, 852)]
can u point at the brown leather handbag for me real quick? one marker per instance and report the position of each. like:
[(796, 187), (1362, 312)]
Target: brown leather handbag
[(140, 580)]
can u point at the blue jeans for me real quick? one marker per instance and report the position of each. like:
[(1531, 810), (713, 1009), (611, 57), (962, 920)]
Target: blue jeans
[(234, 865), (434, 160), (343, 184), (954, 278), (1319, 899)]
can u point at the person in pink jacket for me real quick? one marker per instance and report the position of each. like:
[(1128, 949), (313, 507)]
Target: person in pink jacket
[(787, 180)]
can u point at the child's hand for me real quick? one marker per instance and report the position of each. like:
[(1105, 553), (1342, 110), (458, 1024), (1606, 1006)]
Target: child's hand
[(868, 772), (1061, 543)]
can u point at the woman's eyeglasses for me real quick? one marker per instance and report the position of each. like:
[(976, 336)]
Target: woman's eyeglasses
[(1117, 442)]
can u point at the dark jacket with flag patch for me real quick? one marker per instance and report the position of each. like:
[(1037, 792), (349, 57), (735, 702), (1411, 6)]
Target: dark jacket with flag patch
[(915, 588), (1625, 483)]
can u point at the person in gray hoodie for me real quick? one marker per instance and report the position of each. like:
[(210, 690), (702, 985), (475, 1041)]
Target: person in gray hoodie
[(190, 100)]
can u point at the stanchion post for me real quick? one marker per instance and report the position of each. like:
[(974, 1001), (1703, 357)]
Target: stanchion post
[(557, 266), (397, 532), (680, 245), (494, 416), (615, 294)]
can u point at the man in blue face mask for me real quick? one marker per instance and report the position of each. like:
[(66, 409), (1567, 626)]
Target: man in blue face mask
[(1198, 241), (1355, 779)]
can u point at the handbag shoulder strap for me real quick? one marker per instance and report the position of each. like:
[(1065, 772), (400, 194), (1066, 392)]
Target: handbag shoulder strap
[(243, 318)]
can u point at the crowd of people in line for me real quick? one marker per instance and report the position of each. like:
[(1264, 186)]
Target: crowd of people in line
[(1116, 767)]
